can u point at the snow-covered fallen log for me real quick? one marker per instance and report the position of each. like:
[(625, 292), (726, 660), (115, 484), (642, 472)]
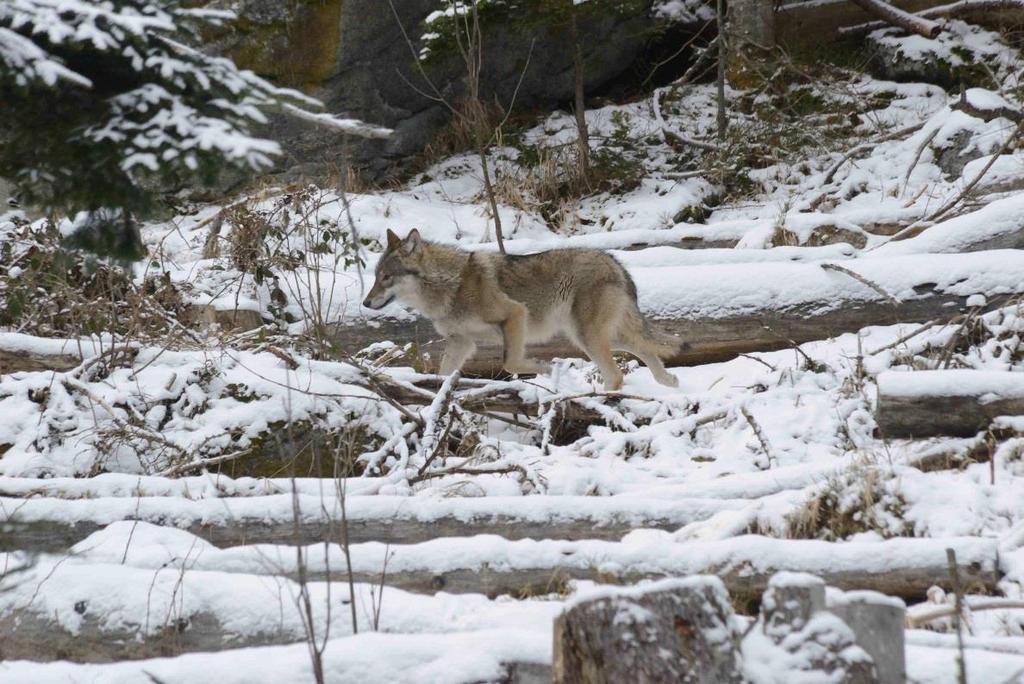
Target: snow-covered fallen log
[(46, 524), (20, 352), (998, 225), (63, 609), (517, 656), (904, 567), (494, 565), (946, 402), (719, 311)]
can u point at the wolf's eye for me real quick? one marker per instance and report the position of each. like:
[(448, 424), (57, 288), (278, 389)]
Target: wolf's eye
[(386, 278)]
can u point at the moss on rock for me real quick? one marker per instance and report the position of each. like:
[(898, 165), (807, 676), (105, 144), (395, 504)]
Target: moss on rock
[(296, 42)]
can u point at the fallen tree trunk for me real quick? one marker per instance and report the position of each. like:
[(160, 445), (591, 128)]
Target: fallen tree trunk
[(964, 8), (997, 225), (491, 565), (719, 312), (103, 612), (802, 25), (51, 525), (27, 353), (716, 311), (897, 17), (910, 583), (947, 402)]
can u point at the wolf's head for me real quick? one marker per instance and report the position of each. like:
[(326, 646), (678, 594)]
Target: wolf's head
[(397, 271)]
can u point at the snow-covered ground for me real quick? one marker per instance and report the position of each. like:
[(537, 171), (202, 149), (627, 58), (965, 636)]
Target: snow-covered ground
[(731, 468)]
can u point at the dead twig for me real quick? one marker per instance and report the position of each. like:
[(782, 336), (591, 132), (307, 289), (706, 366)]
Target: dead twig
[(861, 279), (954, 575), (918, 227), (203, 463), (765, 446), (903, 338), (459, 470), (439, 409), (865, 147), (917, 157)]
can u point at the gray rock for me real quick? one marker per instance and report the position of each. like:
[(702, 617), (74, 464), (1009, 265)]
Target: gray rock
[(956, 56), (352, 54), (956, 154)]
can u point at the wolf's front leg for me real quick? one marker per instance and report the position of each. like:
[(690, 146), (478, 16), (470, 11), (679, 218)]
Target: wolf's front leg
[(513, 332), (456, 351)]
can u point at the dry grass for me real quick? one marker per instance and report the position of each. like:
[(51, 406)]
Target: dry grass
[(473, 120), (822, 235), (855, 502)]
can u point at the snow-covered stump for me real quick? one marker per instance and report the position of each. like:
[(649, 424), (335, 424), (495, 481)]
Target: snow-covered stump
[(789, 602), (877, 622), (796, 635), (946, 402), (671, 631)]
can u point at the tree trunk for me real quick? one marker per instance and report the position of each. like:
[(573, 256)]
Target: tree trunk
[(583, 140), (750, 39), (723, 55), (491, 197), (50, 525), (751, 24)]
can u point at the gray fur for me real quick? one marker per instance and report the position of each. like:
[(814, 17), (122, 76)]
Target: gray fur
[(584, 294)]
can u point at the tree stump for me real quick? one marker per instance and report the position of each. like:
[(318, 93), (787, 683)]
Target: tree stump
[(673, 631), (808, 639), (877, 621), (789, 602)]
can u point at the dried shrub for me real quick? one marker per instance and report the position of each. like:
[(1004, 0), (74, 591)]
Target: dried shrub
[(473, 118), (860, 500), (48, 290)]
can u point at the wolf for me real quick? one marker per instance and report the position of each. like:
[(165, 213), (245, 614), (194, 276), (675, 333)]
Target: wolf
[(584, 294)]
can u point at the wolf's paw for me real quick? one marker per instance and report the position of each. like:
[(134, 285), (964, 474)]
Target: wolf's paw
[(529, 367), (613, 384), (668, 380)]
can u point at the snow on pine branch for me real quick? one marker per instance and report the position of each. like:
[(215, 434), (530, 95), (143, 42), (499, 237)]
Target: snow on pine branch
[(166, 108), (155, 126), (29, 63)]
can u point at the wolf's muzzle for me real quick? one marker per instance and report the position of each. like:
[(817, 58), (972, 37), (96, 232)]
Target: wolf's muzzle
[(368, 303)]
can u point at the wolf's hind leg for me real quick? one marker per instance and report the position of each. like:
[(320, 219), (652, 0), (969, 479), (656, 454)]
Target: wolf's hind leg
[(642, 351), (513, 331), (599, 349), (597, 345), (456, 351)]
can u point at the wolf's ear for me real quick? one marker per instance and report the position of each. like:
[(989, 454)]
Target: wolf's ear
[(393, 240), (413, 242)]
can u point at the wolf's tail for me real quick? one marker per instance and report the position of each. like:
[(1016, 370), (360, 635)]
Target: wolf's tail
[(640, 333), (666, 344)]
